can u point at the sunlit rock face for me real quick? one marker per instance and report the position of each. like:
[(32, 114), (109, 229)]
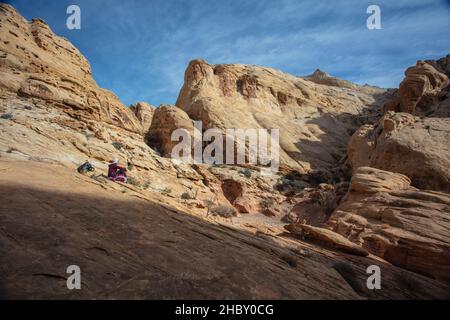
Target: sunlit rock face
[(315, 116), (37, 64)]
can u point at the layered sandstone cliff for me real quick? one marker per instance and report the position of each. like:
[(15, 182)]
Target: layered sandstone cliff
[(399, 223), (386, 212), (37, 64), (315, 118), (415, 139)]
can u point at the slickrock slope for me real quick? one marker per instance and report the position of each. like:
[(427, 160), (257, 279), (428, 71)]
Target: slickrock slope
[(52, 128), (38, 65), (130, 247), (315, 120), (52, 110)]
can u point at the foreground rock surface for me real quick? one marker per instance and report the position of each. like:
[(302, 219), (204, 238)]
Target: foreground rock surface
[(130, 246)]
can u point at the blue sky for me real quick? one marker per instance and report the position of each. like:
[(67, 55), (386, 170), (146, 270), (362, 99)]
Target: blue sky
[(139, 49)]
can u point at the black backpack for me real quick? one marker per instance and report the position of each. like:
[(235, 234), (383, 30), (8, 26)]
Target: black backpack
[(85, 168)]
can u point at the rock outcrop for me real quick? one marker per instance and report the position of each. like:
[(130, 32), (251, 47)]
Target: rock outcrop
[(442, 64), (413, 136), (385, 211), (321, 77), (423, 89), (166, 119), (408, 227), (315, 120), (40, 66), (414, 146), (144, 113), (326, 238)]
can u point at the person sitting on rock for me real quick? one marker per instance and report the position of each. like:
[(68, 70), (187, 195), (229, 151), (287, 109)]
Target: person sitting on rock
[(117, 173)]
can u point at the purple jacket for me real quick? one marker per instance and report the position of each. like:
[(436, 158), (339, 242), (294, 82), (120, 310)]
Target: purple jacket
[(115, 170)]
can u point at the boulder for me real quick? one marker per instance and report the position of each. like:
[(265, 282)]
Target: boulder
[(420, 88), (416, 147), (326, 238), (425, 90), (166, 119)]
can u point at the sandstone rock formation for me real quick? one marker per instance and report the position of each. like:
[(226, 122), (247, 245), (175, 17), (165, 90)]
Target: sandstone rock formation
[(315, 120), (321, 77), (52, 110), (166, 119), (415, 146), (315, 204), (37, 64), (442, 64), (326, 238), (160, 230), (408, 227), (412, 136), (384, 211), (421, 92), (144, 113)]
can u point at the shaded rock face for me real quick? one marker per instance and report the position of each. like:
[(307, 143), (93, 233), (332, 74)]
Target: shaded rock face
[(132, 243), (316, 205), (408, 227), (146, 250), (237, 194), (37, 64), (315, 120), (232, 189)]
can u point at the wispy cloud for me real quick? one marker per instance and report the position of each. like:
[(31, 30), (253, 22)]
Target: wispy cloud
[(140, 49)]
